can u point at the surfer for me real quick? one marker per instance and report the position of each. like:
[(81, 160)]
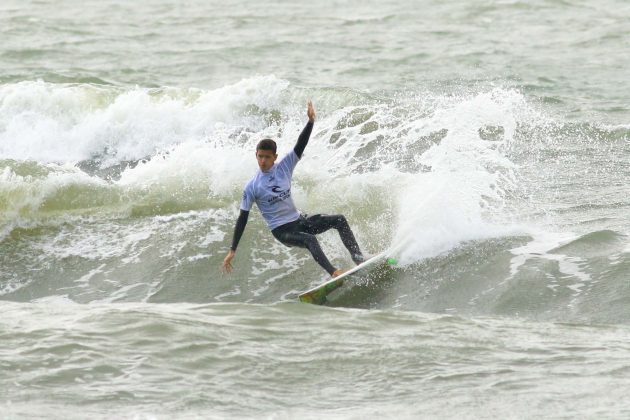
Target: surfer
[(270, 189)]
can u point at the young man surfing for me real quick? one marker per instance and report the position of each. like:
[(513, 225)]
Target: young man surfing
[(270, 189)]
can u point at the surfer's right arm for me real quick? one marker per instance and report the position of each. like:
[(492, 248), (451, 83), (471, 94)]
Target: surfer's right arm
[(246, 205), (238, 232)]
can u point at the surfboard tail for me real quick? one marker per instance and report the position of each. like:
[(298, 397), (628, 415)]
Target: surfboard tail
[(318, 296)]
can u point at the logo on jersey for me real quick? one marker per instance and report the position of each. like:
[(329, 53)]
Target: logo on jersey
[(282, 195)]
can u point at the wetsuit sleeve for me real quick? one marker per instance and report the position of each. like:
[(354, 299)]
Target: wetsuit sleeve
[(239, 229), (246, 205), (303, 139)]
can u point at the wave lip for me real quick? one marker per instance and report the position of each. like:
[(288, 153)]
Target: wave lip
[(594, 244)]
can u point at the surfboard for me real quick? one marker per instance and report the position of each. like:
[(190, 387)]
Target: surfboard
[(317, 295)]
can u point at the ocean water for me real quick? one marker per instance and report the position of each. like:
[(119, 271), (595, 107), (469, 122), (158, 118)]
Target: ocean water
[(485, 145)]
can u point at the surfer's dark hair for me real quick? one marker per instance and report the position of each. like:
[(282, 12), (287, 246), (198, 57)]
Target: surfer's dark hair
[(266, 144)]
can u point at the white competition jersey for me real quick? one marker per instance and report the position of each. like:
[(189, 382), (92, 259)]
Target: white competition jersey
[(271, 191)]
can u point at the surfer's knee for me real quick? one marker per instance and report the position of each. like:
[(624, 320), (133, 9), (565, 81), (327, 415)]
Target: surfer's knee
[(340, 221), (311, 242)]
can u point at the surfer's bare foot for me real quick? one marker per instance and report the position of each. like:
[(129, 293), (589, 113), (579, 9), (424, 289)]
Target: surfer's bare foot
[(361, 258), (358, 259), (337, 273)]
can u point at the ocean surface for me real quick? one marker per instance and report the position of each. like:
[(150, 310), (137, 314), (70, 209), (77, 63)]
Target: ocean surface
[(483, 144)]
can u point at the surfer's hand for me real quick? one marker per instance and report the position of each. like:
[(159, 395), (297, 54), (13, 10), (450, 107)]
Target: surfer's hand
[(227, 262), (310, 111)]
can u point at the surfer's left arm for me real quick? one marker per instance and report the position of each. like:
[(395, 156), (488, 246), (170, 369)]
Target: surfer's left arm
[(306, 132)]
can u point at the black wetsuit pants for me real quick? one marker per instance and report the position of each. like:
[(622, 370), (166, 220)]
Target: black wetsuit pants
[(301, 233)]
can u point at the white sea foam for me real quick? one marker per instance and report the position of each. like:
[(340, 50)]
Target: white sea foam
[(459, 198), (423, 162), (68, 123)]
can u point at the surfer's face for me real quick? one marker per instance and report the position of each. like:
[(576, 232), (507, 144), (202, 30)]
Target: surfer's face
[(266, 159)]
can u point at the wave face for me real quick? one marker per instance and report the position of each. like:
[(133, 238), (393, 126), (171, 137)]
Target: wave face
[(122, 195)]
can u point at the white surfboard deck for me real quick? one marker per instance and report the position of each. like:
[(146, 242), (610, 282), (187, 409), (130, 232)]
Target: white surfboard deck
[(317, 295)]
